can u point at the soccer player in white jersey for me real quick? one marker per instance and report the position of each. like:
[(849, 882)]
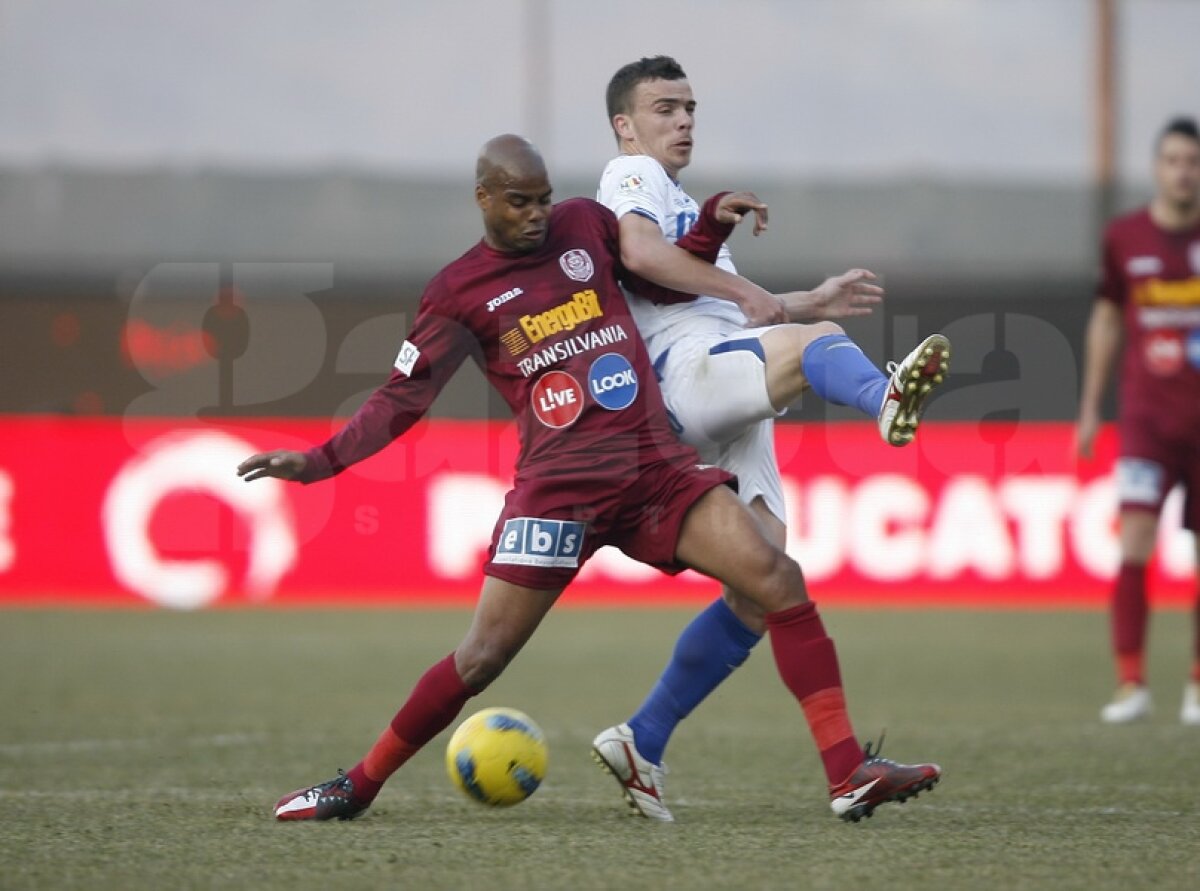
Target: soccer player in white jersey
[(730, 362)]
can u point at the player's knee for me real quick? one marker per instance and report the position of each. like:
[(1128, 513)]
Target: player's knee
[(1138, 535), (480, 662), (823, 329), (806, 334), (793, 340), (782, 584)]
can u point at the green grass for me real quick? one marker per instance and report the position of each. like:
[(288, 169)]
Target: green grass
[(144, 749)]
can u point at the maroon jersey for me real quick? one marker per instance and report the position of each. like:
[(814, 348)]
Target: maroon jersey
[(1154, 276), (552, 332)]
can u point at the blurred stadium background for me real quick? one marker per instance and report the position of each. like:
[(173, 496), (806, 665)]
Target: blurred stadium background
[(229, 211), (215, 223)]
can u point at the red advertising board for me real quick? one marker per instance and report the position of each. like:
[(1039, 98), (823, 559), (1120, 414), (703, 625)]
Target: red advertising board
[(119, 511)]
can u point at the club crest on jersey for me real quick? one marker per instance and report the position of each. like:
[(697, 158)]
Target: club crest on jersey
[(1194, 256), (612, 382), (534, 541), (577, 264), (557, 399)]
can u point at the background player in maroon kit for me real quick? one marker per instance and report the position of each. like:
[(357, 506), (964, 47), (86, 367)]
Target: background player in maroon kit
[(537, 304), (1150, 297)]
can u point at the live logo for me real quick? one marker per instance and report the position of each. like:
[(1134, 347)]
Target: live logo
[(553, 399), (557, 399)]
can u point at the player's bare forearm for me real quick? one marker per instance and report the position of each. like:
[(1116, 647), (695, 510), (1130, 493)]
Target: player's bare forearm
[(1102, 345), (656, 259), (645, 252)]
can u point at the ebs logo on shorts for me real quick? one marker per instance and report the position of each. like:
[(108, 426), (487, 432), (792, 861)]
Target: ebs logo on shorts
[(534, 541), (613, 382)]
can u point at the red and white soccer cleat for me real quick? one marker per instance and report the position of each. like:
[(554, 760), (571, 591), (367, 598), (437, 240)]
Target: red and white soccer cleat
[(330, 800), (641, 782), (911, 383), (878, 780)]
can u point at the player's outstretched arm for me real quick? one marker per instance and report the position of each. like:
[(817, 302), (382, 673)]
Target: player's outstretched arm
[(853, 293), (281, 464)]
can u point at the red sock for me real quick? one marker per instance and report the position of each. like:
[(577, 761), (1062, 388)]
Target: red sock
[(434, 702), (808, 665), (1129, 612)]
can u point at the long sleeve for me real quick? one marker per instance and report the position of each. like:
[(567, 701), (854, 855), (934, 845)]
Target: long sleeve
[(435, 348), (386, 415)]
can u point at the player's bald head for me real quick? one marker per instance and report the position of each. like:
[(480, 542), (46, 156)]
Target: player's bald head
[(508, 158), (513, 191)]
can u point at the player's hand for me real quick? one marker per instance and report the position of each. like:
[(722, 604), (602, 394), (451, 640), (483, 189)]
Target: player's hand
[(763, 308), (853, 293), (732, 208), (280, 464)]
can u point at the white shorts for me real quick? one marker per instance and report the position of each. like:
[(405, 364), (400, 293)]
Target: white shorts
[(715, 387)]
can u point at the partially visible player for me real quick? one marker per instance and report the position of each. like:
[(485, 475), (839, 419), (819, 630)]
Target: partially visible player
[(598, 465), (729, 363), (1149, 298)]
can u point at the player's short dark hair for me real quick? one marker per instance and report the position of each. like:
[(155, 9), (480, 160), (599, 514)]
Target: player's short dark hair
[(620, 88), (1180, 126)]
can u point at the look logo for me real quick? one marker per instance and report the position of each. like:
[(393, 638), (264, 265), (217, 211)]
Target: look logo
[(557, 399), (613, 382)]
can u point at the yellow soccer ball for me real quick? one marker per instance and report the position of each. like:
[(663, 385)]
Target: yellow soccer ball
[(497, 757)]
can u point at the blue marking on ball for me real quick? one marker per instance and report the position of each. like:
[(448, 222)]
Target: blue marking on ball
[(508, 722), (465, 765), (526, 780)]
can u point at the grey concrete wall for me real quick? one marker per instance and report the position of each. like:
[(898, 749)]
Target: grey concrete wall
[(61, 221)]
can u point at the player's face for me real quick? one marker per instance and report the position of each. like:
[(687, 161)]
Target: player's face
[(1177, 171), (661, 123), (516, 212)]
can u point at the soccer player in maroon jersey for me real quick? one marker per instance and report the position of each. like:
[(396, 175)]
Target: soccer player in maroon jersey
[(1150, 298), (536, 303)]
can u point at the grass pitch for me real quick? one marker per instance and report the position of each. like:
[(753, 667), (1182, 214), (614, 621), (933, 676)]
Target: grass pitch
[(144, 750)]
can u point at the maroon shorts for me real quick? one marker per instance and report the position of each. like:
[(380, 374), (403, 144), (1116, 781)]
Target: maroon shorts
[(1151, 461), (551, 525)]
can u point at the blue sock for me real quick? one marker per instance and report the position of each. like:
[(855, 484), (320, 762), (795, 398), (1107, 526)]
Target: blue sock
[(840, 373), (709, 649)]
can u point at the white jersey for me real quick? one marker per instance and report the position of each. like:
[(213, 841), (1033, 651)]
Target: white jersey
[(639, 184), (712, 370)]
